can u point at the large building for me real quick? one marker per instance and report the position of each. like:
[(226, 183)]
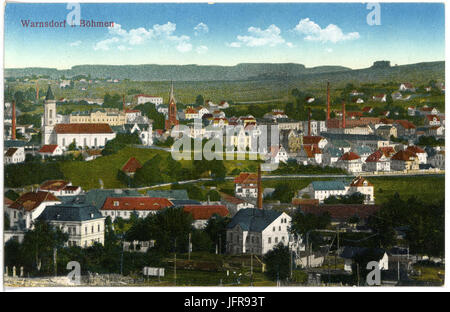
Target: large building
[(145, 98), (110, 117), (84, 223), (257, 231), (82, 134)]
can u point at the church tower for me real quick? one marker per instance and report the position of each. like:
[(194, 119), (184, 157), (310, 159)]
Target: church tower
[(172, 119), (49, 118)]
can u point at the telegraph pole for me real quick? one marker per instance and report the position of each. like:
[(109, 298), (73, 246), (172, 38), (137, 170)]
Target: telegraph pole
[(189, 247)]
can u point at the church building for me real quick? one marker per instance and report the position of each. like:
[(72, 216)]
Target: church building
[(91, 135), (172, 119)]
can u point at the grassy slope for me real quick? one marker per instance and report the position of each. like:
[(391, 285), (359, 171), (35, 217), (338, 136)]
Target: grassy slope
[(87, 174)]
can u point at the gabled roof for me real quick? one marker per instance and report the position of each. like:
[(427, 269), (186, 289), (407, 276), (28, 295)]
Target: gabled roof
[(169, 194), (375, 156), (253, 220), (387, 151), (49, 148), (136, 203), (78, 128), (353, 252), (312, 140), (246, 178), (204, 212), (359, 181), (97, 197), (404, 155), (70, 212), (53, 185), (415, 149), (349, 156), (311, 150), (11, 151), (131, 165), (405, 124), (31, 200), (328, 185)]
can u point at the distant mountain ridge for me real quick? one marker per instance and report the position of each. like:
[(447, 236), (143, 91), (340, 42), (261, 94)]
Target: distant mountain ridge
[(244, 71), (153, 72)]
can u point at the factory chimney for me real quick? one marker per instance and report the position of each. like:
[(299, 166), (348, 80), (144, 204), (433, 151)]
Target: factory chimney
[(259, 184)]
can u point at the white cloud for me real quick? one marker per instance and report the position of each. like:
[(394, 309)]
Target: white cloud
[(258, 37), (329, 50), (314, 32), (202, 49), (104, 44), (184, 47), (138, 36), (75, 43), (201, 28), (290, 44)]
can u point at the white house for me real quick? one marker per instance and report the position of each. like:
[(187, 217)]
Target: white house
[(377, 161), (421, 154), (60, 188), (350, 162), (145, 98), (257, 231), (234, 204), (124, 206), (246, 185), (84, 224), (50, 150), (14, 155), (28, 207)]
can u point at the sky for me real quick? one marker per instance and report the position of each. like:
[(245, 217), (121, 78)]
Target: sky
[(313, 34)]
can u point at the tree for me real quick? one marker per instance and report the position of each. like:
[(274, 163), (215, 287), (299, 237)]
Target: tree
[(277, 262), (199, 100), (149, 173), (216, 229), (38, 244)]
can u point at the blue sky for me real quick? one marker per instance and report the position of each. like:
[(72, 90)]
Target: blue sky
[(226, 34)]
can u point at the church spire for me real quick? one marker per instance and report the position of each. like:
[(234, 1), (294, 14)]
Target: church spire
[(49, 95), (171, 96)]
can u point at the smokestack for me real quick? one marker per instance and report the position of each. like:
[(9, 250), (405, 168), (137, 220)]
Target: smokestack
[(343, 114), (123, 99), (309, 121), (260, 195), (328, 101), (13, 128)]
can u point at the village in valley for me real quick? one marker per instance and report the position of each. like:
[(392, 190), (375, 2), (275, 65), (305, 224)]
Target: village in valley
[(255, 174), (222, 216)]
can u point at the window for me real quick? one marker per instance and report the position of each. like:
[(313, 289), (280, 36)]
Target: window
[(279, 228), (85, 230), (98, 228), (270, 240), (273, 229), (276, 240)]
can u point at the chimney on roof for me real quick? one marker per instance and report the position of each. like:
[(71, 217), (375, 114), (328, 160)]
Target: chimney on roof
[(343, 114), (309, 121), (13, 122), (328, 100), (260, 195)]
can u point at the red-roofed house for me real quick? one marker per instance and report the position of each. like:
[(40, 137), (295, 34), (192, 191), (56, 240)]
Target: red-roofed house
[(131, 166), (350, 162), (406, 86), (421, 154), (124, 206), (28, 207), (377, 161), (246, 185), (432, 120), (317, 141), (50, 150), (405, 128), (60, 188), (405, 160), (234, 204), (379, 98), (202, 213)]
